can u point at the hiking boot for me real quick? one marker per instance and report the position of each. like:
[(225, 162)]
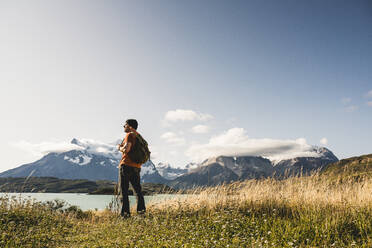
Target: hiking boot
[(125, 216), (141, 213)]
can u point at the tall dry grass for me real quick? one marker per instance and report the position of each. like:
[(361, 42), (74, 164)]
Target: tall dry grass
[(313, 211), (314, 191)]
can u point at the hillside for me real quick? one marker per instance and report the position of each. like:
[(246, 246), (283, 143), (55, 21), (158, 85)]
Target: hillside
[(55, 185), (350, 167)]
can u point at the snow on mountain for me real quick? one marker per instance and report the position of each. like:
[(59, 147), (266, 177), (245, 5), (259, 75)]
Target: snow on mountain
[(147, 169), (99, 148), (150, 174), (169, 172), (191, 166), (81, 159), (304, 165), (314, 152)]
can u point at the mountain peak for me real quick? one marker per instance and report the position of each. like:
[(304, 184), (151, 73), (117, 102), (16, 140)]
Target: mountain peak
[(74, 141), (96, 147), (163, 165)]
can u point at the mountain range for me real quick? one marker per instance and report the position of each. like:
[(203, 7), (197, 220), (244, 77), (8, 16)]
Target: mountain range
[(99, 162), (224, 169)]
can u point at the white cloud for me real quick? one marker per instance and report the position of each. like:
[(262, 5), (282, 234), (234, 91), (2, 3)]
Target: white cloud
[(235, 142), (369, 103), (44, 148), (99, 147), (173, 138), (369, 93), (185, 115), (173, 153), (346, 100), (154, 152), (92, 146), (200, 129), (324, 141), (351, 108)]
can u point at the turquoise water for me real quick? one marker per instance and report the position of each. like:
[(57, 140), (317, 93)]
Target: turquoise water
[(85, 201)]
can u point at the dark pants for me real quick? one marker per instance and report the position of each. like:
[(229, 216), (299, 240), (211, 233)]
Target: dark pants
[(130, 174)]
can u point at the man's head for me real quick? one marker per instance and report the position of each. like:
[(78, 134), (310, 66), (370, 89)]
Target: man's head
[(130, 123)]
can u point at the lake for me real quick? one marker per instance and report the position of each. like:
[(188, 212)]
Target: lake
[(85, 201)]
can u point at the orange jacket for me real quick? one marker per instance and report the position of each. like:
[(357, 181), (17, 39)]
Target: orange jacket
[(125, 160)]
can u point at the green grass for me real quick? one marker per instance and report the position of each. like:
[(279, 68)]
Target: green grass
[(24, 223), (297, 212), (250, 225)]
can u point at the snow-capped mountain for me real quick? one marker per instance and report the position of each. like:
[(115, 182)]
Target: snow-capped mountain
[(89, 160), (150, 174), (169, 172), (304, 165), (225, 169), (98, 148), (191, 166)]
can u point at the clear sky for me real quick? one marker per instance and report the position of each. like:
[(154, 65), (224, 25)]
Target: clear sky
[(195, 74)]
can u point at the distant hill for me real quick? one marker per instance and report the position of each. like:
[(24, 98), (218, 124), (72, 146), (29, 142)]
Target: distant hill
[(55, 185), (350, 167), (51, 185)]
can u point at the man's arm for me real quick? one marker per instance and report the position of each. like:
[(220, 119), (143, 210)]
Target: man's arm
[(126, 148), (126, 145)]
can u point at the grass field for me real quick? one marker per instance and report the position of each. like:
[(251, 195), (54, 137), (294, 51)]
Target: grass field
[(310, 211)]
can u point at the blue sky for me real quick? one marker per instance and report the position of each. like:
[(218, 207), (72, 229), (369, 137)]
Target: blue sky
[(268, 71)]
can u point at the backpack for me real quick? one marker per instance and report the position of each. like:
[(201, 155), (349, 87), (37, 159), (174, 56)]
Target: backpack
[(140, 152)]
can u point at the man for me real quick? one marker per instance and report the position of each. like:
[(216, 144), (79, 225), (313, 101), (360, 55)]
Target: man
[(129, 171)]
